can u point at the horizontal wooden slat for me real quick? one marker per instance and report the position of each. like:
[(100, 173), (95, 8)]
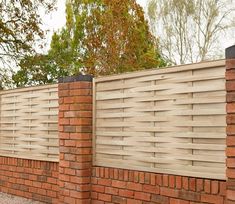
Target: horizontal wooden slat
[(28, 123), (163, 120)]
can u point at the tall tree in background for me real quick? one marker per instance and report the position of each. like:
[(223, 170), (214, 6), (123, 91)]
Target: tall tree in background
[(105, 37), (101, 37), (190, 30), (19, 29)]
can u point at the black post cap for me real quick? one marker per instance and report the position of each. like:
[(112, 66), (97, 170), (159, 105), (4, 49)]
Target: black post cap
[(76, 78), (230, 52)]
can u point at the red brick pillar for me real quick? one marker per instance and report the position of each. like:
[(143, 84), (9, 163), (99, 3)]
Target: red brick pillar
[(230, 151), (75, 136)]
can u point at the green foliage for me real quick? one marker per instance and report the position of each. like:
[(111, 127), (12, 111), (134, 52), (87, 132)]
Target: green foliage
[(36, 70), (101, 37), (20, 27)]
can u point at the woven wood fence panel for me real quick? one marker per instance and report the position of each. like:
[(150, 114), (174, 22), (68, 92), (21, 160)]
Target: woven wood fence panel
[(28, 123), (168, 120)]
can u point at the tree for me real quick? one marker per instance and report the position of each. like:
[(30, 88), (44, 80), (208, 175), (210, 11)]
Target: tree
[(105, 37), (20, 27), (190, 30), (36, 70), (102, 37)]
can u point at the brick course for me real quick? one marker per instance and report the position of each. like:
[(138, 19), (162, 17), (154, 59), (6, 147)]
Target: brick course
[(110, 188), (37, 180), (230, 108)]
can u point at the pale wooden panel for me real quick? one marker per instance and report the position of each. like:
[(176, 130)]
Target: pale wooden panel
[(29, 123), (162, 120)]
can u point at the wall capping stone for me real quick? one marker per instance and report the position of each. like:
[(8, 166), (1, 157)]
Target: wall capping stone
[(80, 77)]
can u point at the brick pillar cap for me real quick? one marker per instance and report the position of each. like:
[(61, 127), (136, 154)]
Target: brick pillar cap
[(76, 78), (230, 52)]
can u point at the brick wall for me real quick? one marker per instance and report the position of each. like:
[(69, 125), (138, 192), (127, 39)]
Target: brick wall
[(37, 180), (111, 185), (75, 134), (230, 151)]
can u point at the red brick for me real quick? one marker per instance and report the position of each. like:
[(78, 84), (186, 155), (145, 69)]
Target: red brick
[(230, 97), (70, 143), (69, 157), (147, 178), (230, 85), (112, 191), (80, 92), (120, 174), (106, 171), (215, 199), (151, 189), (69, 200), (82, 99), (169, 192), (230, 151), (185, 183), (94, 195), (119, 200), (207, 186), (159, 179), (104, 182), (136, 176), (141, 177), (119, 184), (98, 188), (134, 186), (178, 201), (126, 193), (64, 107), (171, 181), (189, 195), (153, 179), (178, 182), (230, 129), (230, 119), (104, 197), (231, 194), (214, 187), (159, 199), (230, 173), (230, 141), (165, 180), (125, 175), (63, 121), (230, 64), (84, 143), (133, 201), (80, 85), (192, 184), (69, 100), (230, 162), (142, 196), (63, 86)]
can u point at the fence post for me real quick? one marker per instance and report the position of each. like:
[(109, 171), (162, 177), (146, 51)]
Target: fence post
[(75, 139), (230, 108)]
